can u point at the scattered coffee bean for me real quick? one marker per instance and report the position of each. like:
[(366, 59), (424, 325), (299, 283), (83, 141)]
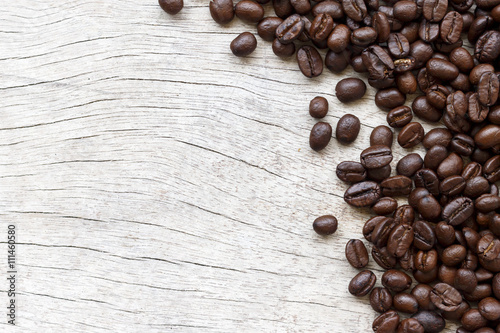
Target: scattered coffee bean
[(350, 90), (325, 225), (347, 128), (244, 44), (318, 107), (321, 133)]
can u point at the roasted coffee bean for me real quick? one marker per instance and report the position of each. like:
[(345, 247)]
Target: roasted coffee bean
[(398, 45), (453, 255), (436, 96), (355, 9), (491, 169), (347, 128), (283, 50), (478, 71), (488, 248), (424, 236), (364, 36), (487, 203), (495, 285), (325, 225), (472, 237), (409, 164), (437, 136), (332, 8), (318, 107), (461, 83), (244, 44), (405, 11), (283, 8), (451, 165), (396, 186), (340, 38), (376, 157), (462, 144), (425, 80), (399, 116), (389, 98), (404, 215), (465, 280), (458, 313), (309, 60), (494, 115), (381, 135), (406, 81), (442, 69), (379, 65), (445, 234), (350, 89), (290, 29), (478, 26), (489, 308), (429, 208), (451, 27), (370, 225), (248, 10), (487, 89), (428, 31), (381, 24), (321, 133), (362, 194), (383, 258), (430, 320), (351, 172), (362, 283), (476, 186), (424, 110), (386, 322), (457, 211), (266, 28), (426, 261), (411, 135), (410, 325), (385, 206), (434, 10), (222, 12), (400, 239), (396, 281), (488, 46), (461, 58), (381, 233), (421, 293), (404, 302), (483, 275), (435, 155), (477, 112), (380, 299), (472, 320), (172, 7), (488, 137), (427, 277), (337, 62), (356, 253), (378, 175), (452, 186), (471, 170), (482, 290), (445, 297), (302, 7), (406, 261), (321, 27)]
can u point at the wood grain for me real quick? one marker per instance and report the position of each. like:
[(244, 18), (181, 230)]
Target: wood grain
[(158, 183)]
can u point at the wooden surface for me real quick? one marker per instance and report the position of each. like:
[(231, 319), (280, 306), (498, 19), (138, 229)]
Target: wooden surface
[(160, 184)]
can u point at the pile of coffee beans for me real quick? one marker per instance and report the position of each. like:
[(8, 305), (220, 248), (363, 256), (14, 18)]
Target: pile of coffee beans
[(448, 235)]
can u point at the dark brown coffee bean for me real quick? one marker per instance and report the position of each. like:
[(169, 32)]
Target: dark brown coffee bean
[(321, 133), (389, 98), (488, 46), (267, 27), (488, 137), (442, 69), (425, 80), (436, 96), (424, 236), (355, 9), (411, 135), (416, 195), (244, 44), (483, 275), (427, 179), (386, 322), (487, 203), (318, 107), (381, 233), (325, 225), (477, 112), (283, 50), (451, 165), (290, 29), (340, 38), (434, 10), (435, 155), (426, 261), (380, 299), (380, 67), (445, 234), (347, 128), (409, 164), (452, 186), (283, 8), (488, 248), (471, 170), (222, 12), (309, 60), (421, 293), (405, 11), (478, 71), (482, 290), (362, 194), (337, 62), (491, 169), (457, 211), (472, 320), (370, 226), (445, 297), (321, 27), (489, 308), (381, 24), (406, 303), (396, 186), (385, 206), (381, 135), (396, 281), (383, 258), (465, 280), (437, 136), (424, 110), (430, 320), (351, 172), (332, 8), (476, 186), (410, 325), (406, 82), (349, 90), (429, 208), (302, 7), (487, 89), (427, 277), (461, 58), (248, 10), (451, 27), (378, 175), (428, 31), (398, 45), (462, 144), (356, 253), (399, 116), (362, 283), (458, 313), (400, 240), (172, 7), (461, 83), (376, 157), (364, 36)]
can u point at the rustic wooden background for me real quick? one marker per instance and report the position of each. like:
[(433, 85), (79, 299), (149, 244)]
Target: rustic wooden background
[(158, 183)]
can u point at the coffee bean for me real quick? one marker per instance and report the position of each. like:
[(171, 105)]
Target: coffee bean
[(404, 302), (488, 46), (404, 215), (380, 299), (489, 308), (381, 24), (380, 67), (451, 27), (409, 164), (321, 27), (488, 137), (172, 7), (477, 112), (453, 186), (283, 50), (472, 320), (340, 38), (445, 297), (318, 107), (435, 155), (427, 179), (337, 62), (222, 12), (376, 157), (465, 280), (386, 322), (442, 69), (406, 262), (351, 172), (290, 29), (431, 321), (347, 128), (421, 292), (362, 283), (325, 225), (283, 8), (436, 96), (406, 81), (398, 45), (457, 211), (410, 325), (400, 239), (396, 186), (424, 236), (428, 31), (482, 290), (491, 169), (302, 7), (399, 116), (381, 233), (425, 80), (356, 253), (437, 136), (429, 208), (471, 170), (487, 89), (462, 144), (389, 98), (434, 10), (321, 133), (461, 58), (383, 258), (378, 175), (405, 10), (381, 135), (424, 110), (426, 261), (476, 186), (332, 8), (445, 234), (248, 10), (355, 9), (487, 203), (362, 194), (458, 313), (478, 71), (244, 44), (451, 165), (309, 60), (396, 281), (385, 206), (363, 36), (488, 248), (350, 89), (411, 135)]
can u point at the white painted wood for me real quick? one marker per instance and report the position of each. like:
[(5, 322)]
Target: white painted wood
[(158, 183)]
